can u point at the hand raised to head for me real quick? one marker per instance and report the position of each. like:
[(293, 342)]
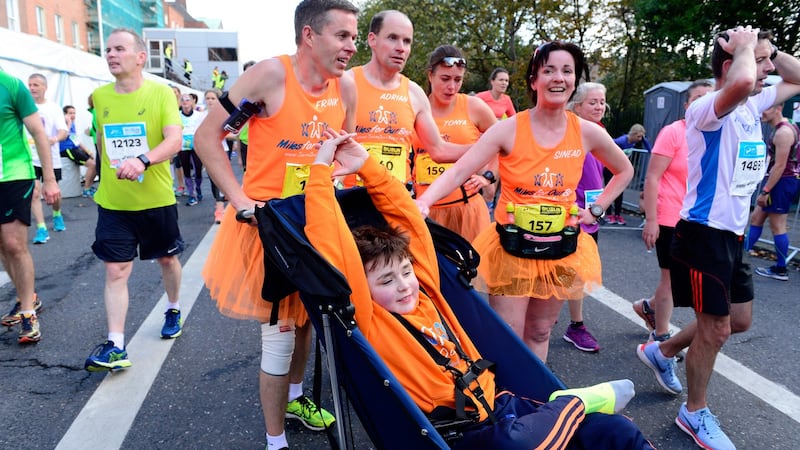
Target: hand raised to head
[(739, 37)]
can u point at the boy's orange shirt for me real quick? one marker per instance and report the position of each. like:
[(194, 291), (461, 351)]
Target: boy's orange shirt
[(429, 384)]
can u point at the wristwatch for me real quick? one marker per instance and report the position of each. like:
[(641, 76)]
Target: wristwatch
[(489, 175), (774, 53), (597, 211), (144, 160)]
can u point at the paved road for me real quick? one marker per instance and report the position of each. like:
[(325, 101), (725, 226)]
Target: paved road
[(200, 391)]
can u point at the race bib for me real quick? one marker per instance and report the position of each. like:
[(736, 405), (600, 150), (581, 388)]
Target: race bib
[(590, 196), (543, 218), (124, 141), (188, 142), (294, 179), (392, 156), (428, 170), (751, 162)]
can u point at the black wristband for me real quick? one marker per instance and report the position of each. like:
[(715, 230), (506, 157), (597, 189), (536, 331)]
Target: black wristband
[(489, 175), (144, 160), (774, 53)]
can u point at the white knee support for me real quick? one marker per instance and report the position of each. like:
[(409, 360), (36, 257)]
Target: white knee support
[(277, 346)]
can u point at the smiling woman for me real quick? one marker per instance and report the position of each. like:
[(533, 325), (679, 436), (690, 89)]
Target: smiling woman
[(529, 263)]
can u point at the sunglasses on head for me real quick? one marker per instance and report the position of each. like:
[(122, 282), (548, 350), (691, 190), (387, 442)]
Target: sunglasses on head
[(451, 61)]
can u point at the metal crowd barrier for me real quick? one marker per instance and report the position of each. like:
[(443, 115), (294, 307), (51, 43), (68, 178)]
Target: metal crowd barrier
[(641, 158)]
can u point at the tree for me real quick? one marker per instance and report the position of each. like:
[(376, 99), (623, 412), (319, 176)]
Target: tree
[(630, 45)]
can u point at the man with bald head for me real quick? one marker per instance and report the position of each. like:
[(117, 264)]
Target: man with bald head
[(391, 107)]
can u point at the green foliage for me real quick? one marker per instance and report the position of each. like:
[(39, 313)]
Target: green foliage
[(630, 45)]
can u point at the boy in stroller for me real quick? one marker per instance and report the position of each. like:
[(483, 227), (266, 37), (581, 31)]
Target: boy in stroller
[(399, 308)]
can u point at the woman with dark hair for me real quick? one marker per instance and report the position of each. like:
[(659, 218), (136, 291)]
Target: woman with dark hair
[(536, 257), (461, 119), (496, 97)]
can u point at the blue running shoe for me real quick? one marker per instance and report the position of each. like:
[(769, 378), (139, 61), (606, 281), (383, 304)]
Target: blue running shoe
[(774, 272), (173, 326), (704, 428), (58, 223), (664, 369), (41, 236), (107, 357), (192, 201)]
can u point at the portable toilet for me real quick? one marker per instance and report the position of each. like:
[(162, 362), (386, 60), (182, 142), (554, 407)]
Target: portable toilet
[(663, 104)]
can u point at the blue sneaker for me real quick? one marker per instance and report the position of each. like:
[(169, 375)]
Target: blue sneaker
[(58, 223), (107, 357), (41, 236), (173, 326), (192, 201), (704, 428), (664, 369), (774, 272)]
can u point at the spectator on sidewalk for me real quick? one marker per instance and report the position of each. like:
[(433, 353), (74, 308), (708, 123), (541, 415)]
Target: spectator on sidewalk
[(634, 138)]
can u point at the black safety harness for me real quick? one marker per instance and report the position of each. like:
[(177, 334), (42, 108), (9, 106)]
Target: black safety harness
[(463, 381)]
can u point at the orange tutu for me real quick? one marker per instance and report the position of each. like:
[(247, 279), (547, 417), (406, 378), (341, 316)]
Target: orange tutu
[(467, 219), (234, 274), (500, 273)]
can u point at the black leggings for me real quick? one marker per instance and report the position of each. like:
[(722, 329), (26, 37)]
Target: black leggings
[(218, 196), (617, 205), (190, 160)]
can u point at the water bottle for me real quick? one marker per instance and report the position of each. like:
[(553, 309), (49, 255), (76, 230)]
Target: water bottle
[(572, 221), (511, 225)]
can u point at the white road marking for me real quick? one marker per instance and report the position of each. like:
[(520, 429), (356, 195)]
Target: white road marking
[(774, 394), (103, 415), (111, 410)]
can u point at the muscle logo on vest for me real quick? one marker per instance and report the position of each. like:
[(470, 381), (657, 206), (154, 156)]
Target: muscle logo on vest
[(547, 179), (455, 123), (437, 336), (394, 97), (576, 153), (326, 103), (313, 129), (382, 116)]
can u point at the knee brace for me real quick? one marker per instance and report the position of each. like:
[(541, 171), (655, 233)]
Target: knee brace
[(277, 347)]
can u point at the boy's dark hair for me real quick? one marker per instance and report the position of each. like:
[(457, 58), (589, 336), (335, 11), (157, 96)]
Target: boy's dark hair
[(381, 245)]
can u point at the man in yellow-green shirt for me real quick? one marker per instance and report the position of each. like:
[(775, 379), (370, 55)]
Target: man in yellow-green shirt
[(139, 131)]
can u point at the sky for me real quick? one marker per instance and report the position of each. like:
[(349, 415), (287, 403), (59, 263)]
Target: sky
[(266, 27)]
